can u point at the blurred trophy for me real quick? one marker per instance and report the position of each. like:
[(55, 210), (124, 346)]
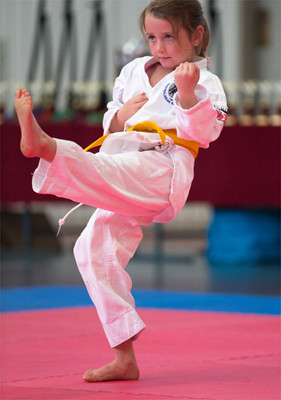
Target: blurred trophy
[(264, 101), (275, 115), (247, 93), (130, 50), (231, 92)]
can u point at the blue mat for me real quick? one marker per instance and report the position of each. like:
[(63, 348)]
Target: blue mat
[(244, 236), (48, 297)]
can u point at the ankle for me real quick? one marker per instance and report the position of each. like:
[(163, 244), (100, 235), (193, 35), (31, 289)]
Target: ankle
[(47, 147), (127, 367), (28, 150), (125, 350), (125, 354)]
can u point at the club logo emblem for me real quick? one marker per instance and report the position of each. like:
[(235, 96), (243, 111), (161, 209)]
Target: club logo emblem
[(169, 92)]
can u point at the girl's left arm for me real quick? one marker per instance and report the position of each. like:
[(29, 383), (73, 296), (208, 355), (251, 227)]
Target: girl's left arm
[(204, 121)]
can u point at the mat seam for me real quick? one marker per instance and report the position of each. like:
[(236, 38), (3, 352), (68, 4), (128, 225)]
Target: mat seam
[(205, 361), (244, 357), (163, 396)]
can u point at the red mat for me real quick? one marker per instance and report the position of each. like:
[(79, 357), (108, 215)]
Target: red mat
[(181, 355)]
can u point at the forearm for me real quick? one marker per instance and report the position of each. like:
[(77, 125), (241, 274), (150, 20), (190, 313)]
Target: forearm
[(116, 124), (187, 101), (130, 108), (197, 123), (186, 79)]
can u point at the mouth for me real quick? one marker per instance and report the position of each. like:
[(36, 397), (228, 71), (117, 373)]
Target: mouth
[(163, 59)]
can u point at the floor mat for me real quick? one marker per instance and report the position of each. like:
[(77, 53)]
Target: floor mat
[(46, 297), (182, 355)]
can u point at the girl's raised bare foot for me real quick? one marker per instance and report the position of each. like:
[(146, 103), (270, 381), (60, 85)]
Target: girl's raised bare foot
[(124, 367), (34, 141)]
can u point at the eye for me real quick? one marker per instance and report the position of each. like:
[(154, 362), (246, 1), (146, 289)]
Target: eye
[(151, 38), (168, 37)]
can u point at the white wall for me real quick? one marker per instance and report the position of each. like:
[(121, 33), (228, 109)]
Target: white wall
[(17, 29), (268, 56)]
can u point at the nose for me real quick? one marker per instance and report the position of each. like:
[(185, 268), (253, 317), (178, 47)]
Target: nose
[(159, 45)]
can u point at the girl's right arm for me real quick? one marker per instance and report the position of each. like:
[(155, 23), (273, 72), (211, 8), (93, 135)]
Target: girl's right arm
[(119, 110)]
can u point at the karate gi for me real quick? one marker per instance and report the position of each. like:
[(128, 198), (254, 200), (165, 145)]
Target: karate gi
[(134, 180)]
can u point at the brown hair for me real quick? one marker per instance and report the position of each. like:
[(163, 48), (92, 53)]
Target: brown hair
[(187, 14)]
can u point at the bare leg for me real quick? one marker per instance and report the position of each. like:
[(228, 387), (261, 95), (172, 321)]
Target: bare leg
[(34, 141), (124, 366)]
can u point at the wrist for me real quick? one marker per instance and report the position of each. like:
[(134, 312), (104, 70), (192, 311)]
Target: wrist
[(187, 100), (116, 125)]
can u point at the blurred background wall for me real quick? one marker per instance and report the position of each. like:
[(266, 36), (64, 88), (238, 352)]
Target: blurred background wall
[(68, 53), (245, 42)]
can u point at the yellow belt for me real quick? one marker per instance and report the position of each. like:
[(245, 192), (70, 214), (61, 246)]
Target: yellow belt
[(148, 126)]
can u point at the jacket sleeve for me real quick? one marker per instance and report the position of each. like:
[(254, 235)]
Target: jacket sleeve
[(203, 122), (117, 97)]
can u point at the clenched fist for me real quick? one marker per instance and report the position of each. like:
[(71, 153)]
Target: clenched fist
[(186, 78), (127, 111)]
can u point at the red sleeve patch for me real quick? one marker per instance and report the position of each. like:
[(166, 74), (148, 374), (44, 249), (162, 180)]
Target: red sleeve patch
[(221, 113)]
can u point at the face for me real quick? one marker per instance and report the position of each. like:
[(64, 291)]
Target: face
[(167, 47)]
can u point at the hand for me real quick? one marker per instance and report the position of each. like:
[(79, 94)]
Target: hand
[(186, 78), (127, 111)]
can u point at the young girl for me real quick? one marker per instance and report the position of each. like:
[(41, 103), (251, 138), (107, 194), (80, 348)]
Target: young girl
[(164, 108)]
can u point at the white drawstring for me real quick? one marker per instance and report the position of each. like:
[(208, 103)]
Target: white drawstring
[(62, 220)]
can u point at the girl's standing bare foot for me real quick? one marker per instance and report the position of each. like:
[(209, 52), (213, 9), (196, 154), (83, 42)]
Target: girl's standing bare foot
[(124, 367), (34, 141)]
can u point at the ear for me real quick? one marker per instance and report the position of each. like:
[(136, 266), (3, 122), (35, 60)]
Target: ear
[(197, 36)]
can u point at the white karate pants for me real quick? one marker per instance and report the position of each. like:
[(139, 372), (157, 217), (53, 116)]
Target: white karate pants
[(110, 239), (102, 252), (128, 189)]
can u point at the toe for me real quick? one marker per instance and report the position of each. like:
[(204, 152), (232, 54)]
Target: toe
[(25, 93), (18, 93), (88, 375)]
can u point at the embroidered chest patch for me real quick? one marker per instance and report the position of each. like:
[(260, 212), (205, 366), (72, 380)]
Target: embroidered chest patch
[(169, 92)]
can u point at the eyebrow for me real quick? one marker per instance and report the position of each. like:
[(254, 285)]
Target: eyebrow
[(164, 33)]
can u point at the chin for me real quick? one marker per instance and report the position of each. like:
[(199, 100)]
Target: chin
[(167, 63)]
